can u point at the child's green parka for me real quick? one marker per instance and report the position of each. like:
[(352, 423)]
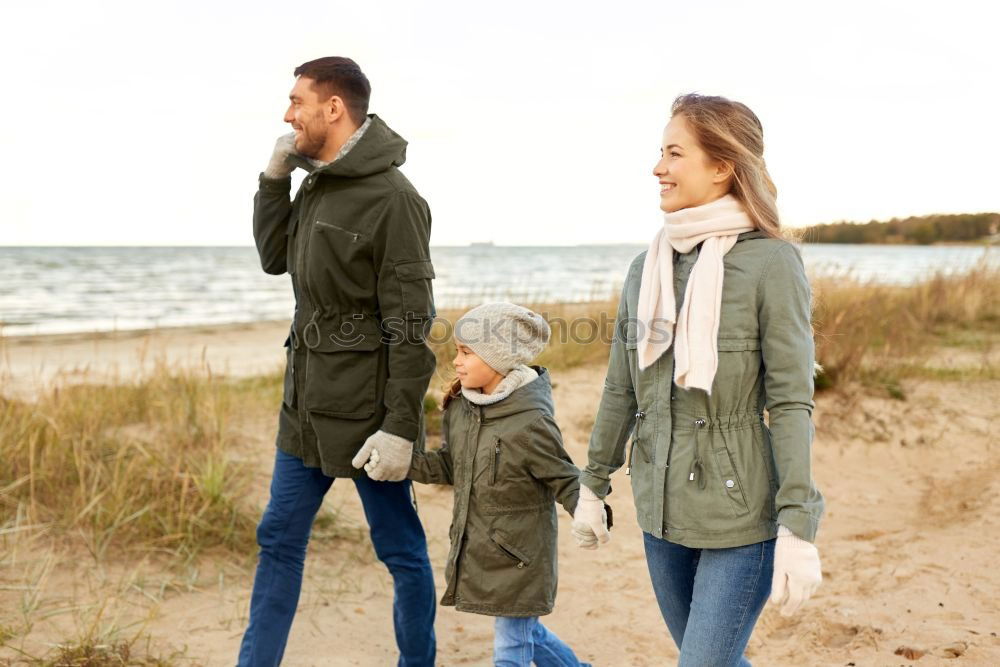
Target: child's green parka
[(508, 466)]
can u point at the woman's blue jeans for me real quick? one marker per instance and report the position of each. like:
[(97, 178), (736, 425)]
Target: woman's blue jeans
[(710, 598), (283, 533), (519, 642)]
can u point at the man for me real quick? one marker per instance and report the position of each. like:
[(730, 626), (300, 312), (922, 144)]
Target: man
[(355, 242)]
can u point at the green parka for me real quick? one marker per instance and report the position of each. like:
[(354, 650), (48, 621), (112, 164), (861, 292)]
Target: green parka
[(508, 466), (706, 470), (355, 241)]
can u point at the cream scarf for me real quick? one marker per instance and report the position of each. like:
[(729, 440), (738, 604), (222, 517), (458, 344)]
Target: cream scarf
[(694, 330)]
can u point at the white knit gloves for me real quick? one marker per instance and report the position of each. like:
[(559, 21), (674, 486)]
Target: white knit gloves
[(797, 571), (279, 166), (590, 522), (386, 457)]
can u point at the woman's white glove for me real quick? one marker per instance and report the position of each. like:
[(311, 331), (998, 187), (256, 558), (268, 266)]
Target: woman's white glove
[(590, 522), (279, 166), (385, 456), (797, 572)]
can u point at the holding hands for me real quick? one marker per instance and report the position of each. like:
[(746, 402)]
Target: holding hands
[(590, 521), (386, 457)]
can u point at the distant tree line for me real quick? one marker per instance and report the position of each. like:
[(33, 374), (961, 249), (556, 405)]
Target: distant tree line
[(923, 229)]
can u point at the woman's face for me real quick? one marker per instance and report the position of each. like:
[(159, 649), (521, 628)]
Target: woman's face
[(686, 174), (473, 372)]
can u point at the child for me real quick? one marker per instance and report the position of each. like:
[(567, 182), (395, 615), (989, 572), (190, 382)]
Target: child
[(503, 453)]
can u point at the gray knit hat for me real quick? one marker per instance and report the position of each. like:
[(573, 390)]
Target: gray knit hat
[(503, 334)]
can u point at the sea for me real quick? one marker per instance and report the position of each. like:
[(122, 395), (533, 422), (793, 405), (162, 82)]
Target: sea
[(52, 290)]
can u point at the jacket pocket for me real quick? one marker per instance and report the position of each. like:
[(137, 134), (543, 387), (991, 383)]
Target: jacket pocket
[(341, 366), (517, 556), (730, 480), (415, 282), (714, 480), (762, 447)]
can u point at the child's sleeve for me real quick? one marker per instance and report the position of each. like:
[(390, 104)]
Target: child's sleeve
[(434, 467), (550, 464)]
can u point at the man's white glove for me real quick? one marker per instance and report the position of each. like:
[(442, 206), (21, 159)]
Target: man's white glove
[(590, 522), (385, 456), (279, 166), (797, 571)]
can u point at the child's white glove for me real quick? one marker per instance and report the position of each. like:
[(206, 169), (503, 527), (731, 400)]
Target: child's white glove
[(590, 522), (797, 571), (386, 457)]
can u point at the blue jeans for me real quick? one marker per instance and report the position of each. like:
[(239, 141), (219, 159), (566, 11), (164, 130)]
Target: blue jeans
[(519, 641), (710, 598), (283, 533)]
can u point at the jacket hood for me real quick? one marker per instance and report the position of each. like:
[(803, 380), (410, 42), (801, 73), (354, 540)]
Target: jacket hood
[(536, 395), (378, 149)]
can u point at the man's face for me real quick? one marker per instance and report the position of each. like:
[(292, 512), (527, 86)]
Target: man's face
[(307, 115)]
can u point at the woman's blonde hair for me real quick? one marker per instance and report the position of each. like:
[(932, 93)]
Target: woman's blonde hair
[(730, 132)]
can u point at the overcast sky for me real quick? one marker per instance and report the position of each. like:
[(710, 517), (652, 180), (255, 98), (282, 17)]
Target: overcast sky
[(529, 122)]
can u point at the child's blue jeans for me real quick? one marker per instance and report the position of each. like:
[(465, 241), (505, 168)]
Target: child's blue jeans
[(710, 598), (518, 642)]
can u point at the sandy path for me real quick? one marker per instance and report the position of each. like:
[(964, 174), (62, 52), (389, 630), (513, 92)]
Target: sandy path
[(909, 545)]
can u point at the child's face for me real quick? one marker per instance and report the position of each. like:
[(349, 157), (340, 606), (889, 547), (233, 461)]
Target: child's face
[(473, 372)]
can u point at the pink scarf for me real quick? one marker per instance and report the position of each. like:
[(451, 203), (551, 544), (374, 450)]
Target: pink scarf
[(694, 330)]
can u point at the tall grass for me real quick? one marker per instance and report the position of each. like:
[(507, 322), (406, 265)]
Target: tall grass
[(864, 331), (136, 465)]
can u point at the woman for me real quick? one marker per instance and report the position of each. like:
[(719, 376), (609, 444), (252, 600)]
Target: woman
[(712, 328)]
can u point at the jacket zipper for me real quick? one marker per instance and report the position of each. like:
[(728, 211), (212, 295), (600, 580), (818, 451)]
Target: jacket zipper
[(354, 235), (302, 255), (495, 462)]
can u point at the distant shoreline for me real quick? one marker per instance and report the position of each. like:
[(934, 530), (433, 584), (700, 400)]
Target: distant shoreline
[(980, 243)]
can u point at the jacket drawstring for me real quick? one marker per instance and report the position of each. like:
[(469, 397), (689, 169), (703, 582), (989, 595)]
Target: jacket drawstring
[(697, 465), (312, 326), (293, 334), (635, 439)]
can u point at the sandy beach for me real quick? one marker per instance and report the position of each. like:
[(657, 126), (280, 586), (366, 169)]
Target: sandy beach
[(908, 543)]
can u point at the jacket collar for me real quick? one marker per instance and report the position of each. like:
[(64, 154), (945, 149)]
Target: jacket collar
[(515, 379), (372, 149), (535, 395)]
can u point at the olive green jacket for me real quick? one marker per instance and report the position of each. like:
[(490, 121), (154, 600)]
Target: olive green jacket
[(355, 241), (508, 466), (706, 470)]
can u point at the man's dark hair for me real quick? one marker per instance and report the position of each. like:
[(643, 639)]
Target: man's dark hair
[(342, 77)]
